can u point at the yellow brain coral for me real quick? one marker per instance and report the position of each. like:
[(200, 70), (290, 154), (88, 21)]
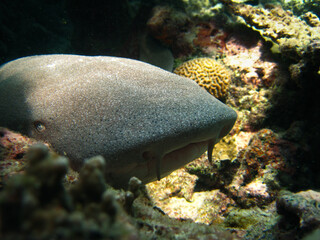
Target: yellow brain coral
[(208, 73)]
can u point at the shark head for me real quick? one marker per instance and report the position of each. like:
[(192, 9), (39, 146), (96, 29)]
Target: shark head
[(145, 121)]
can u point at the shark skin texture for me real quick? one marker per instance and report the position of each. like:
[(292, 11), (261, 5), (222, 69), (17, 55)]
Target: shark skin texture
[(145, 121)]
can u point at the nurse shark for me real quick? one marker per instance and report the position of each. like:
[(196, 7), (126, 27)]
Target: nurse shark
[(145, 121)]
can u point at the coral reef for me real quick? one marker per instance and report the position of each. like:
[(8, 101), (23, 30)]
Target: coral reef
[(208, 73), (176, 196), (279, 26), (249, 218), (293, 216), (172, 186), (154, 225), (273, 145), (37, 204), (250, 63), (210, 38), (251, 179), (172, 28), (294, 38), (300, 210), (300, 7), (204, 9), (205, 207), (268, 163), (186, 34), (13, 147), (256, 78)]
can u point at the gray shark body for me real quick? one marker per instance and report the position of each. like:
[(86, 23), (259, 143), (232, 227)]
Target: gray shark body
[(145, 122)]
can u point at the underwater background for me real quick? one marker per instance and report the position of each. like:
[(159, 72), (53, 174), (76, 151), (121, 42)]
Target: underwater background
[(261, 58)]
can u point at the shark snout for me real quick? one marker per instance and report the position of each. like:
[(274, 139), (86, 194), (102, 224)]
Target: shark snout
[(164, 161), (226, 128)]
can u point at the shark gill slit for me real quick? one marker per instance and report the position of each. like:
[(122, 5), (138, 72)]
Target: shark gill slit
[(150, 157)]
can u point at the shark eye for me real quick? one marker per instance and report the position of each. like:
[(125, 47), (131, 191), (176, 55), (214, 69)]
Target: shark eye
[(39, 126)]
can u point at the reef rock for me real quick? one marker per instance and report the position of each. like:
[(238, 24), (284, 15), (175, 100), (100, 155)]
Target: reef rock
[(301, 210), (295, 39)]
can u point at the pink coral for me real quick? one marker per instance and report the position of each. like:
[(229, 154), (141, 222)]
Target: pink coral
[(250, 62), (210, 38)]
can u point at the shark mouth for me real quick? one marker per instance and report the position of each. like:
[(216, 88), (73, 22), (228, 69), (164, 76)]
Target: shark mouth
[(182, 156), (179, 157)]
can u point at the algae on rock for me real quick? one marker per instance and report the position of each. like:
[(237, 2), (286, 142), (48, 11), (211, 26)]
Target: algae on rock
[(203, 9)]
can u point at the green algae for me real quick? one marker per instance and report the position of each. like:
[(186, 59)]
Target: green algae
[(300, 7), (203, 9), (245, 218)]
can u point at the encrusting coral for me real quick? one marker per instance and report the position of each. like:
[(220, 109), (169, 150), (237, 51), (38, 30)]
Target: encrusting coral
[(300, 7), (282, 27), (208, 73), (296, 39)]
